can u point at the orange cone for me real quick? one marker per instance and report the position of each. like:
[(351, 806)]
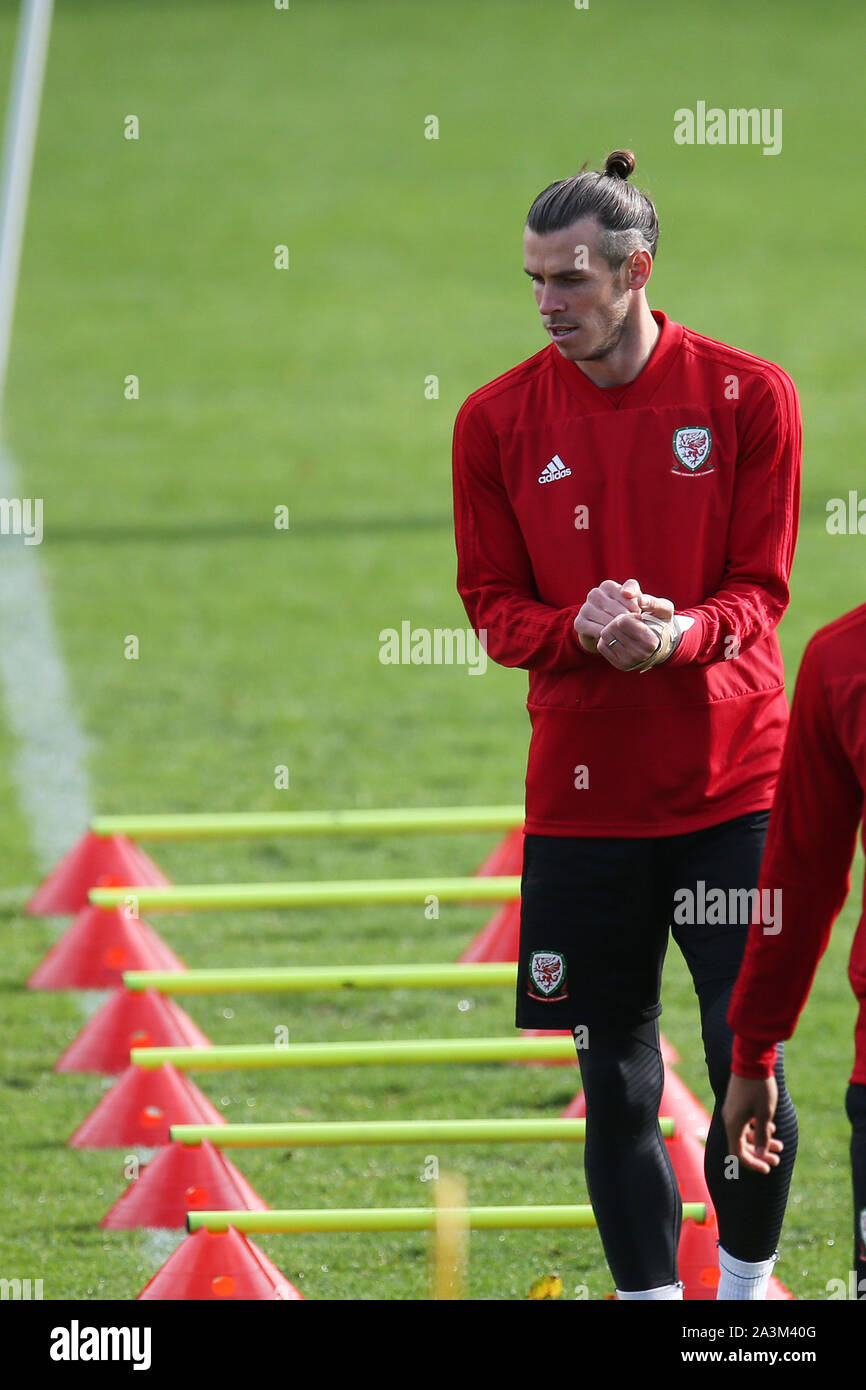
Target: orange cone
[(140, 1109), (507, 858), (678, 1101), (178, 1179), (127, 1020), (93, 858), (776, 1291), (576, 1108), (698, 1258), (499, 940), (98, 947), (687, 1156), (223, 1268)]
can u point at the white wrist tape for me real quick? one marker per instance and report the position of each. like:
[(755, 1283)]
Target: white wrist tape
[(668, 635)]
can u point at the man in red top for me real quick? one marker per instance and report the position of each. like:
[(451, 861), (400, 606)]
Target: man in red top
[(626, 507), (810, 845)]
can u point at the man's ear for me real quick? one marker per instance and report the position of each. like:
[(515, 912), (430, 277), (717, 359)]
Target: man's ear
[(640, 265)]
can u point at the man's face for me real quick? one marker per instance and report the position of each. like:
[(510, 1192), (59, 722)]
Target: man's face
[(576, 291)]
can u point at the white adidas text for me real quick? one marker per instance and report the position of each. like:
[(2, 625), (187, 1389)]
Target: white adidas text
[(555, 469)]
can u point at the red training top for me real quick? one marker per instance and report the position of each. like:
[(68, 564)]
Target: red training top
[(810, 845), (688, 480)]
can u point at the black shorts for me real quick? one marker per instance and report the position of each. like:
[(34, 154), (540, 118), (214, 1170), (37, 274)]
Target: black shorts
[(595, 915)]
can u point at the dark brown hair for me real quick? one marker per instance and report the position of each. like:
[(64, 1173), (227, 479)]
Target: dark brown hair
[(626, 216)]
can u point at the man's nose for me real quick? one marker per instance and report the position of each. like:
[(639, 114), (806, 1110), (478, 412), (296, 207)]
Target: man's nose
[(550, 300)]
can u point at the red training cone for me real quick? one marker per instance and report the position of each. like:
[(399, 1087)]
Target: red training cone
[(499, 940), (698, 1258), (776, 1291), (506, 859), (127, 1020), (140, 1109), (182, 1178), (687, 1157), (221, 1267), (698, 1263), (98, 947), (65, 889), (677, 1100)]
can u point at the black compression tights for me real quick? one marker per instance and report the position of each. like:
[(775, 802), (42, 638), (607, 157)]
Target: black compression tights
[(855, 1104), (631, 1182)]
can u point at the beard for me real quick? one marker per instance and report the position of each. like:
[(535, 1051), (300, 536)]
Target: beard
[(614, 329)]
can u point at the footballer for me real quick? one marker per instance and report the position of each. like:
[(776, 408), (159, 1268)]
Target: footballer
[(626, 506), (811, 839)]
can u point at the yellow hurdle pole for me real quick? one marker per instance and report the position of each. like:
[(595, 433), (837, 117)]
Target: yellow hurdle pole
[(450, 1243), (405, 1219), (315, 1133), (297, 979), (346, 1054), (404, 820), (195, 897)]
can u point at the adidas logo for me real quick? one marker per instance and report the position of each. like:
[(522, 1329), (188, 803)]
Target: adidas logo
[(554, 470)]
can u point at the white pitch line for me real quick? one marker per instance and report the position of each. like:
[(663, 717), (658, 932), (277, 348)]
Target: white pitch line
[(50, 752), (49, 757)]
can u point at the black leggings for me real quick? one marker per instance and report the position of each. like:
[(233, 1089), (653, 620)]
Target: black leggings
[(630, 1178), (855, 1105)]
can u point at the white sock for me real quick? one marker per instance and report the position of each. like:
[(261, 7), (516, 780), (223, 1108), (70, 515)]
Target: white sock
[(742, 1280), (667, 1291)]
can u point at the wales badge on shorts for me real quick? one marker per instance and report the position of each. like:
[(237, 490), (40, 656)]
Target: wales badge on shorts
[(692, 449), (547, 976)]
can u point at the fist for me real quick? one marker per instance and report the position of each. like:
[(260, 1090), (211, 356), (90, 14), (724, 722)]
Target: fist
[(603, 604), (611, 623)]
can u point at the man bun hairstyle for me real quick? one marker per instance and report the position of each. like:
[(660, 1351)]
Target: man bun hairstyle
[(626, 216), (620, 164)]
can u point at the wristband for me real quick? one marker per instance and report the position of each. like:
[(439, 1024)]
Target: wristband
[(669, 635)]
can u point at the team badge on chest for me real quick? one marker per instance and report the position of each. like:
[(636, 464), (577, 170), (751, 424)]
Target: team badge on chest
[(692, 449), (547, 976)]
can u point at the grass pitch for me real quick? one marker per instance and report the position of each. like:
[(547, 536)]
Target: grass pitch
[(305, 388)]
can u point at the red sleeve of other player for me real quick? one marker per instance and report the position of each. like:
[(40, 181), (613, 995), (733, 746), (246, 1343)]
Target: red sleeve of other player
[(810, 846)]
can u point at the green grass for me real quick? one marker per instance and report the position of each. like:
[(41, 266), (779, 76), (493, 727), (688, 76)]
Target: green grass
[(306, 388)]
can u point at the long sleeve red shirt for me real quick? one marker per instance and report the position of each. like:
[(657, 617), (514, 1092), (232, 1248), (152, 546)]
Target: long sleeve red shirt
[(810, 845), (688, 480)]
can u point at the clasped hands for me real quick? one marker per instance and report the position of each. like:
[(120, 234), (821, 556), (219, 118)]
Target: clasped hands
[(631, 630)]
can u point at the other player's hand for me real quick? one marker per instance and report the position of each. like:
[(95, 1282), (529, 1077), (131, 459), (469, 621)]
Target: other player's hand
[(603, 603), (748, 1118)]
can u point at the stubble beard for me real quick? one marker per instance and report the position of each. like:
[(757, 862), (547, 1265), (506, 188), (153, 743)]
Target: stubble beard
[(616, 328)]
